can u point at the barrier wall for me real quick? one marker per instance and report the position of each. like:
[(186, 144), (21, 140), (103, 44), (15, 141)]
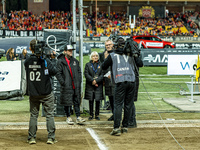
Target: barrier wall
[(10, 33), (12, 80), (159, 57)]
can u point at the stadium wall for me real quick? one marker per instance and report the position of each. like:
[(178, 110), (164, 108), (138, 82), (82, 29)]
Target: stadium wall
[(38, 6)]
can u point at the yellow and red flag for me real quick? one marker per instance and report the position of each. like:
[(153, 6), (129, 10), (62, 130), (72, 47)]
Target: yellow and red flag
[(88, 33), (198, 69)]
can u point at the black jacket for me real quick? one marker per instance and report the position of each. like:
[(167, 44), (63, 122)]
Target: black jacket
[(64, 77), (22, 57), (90, 75), (109, 86), (38, 76), (138, 63), (9, 58)]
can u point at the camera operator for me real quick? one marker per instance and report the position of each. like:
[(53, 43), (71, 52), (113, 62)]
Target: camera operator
[(123, 75), (39, 72)]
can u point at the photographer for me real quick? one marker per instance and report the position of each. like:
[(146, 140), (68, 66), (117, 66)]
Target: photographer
[(123, 75), (39, 72)]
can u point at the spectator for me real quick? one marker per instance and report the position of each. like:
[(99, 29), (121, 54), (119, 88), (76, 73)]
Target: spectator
[(10, 54), (94, 84), (23, 55), (109, 86), (69, 77)]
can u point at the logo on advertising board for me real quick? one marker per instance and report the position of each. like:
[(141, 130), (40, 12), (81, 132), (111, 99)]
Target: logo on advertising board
[(154, 44), (3, 75), (181, 64), (157, 59), (147, 12)]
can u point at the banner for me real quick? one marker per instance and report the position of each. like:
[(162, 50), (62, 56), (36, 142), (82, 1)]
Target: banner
[(10, 75), (181, 64), (187, 45), (12, 33), (17, 43), (56, 39), (159, 57)]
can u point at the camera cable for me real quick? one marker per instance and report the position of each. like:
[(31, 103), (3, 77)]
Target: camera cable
[(156, 107)]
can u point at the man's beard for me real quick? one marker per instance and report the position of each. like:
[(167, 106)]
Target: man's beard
[(68, 57)]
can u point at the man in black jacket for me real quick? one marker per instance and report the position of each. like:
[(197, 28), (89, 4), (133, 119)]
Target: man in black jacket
[(39, 72), (109, 86), (69, 77), (132, 120)]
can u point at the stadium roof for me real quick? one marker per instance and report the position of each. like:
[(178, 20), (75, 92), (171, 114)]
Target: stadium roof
[(143, 0)]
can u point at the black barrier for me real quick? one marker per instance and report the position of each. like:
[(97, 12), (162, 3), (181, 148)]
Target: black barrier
[(178, 45), (187, 45), (159, 57), (17, 43), (58, 109), (22, 33), (86, 48), (23, 43), (91, 39), (33, 33), (96, 44)]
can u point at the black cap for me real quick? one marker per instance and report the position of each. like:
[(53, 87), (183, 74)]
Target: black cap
[(68, 47)]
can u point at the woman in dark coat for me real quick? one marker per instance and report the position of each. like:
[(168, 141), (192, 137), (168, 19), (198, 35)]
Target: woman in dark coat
[(23, 55), (94, 84), (10, 54)]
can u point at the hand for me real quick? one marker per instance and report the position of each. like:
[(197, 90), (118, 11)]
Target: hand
[(53, 55), (109, 76), (94, 82), (96, 85)]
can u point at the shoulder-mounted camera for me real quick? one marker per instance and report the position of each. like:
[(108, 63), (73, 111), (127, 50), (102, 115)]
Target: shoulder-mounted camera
[(41, 49), (127, 47)]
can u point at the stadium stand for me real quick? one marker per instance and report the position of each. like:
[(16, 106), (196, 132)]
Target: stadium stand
[(175, 23)]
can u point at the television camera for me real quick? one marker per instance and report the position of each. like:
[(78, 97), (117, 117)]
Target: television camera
[(127, 47), (42, 50)]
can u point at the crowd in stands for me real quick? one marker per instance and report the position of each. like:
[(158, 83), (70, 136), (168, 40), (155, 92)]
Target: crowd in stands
[(117, 23), (24, 20), (173, 24)]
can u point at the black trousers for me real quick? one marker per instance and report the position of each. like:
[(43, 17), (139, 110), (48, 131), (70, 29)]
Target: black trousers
[(111, 100), (123, 97), (48, 103), (97, 107), (132, 118), (67, 109), (133, 110)]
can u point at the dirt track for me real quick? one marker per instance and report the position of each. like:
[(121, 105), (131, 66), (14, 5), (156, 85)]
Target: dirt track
[(144, 137)]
